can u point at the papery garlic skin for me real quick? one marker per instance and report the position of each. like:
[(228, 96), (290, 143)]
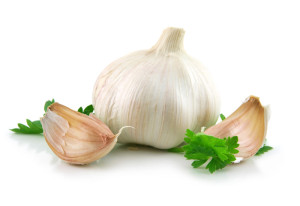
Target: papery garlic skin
[(160, 92), (249, 122), (75, 137)]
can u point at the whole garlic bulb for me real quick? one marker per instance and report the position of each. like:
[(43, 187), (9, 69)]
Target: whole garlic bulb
[(160, 92)]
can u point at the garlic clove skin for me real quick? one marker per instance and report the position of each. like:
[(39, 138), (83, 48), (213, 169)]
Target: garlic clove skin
[(160, 92), (75, 137), (249, 123)]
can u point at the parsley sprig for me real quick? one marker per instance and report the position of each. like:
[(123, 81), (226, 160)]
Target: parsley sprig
[(263, 149), (47, 104), (204, 148), (35, 127), (222, 116), (89, 109)]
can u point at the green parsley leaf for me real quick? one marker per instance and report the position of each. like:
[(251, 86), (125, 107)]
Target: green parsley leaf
[(47, 104), (89, 109), (80, 110), (232, 143), (198, 163), (215, 164), (202, 148), (176, 150), (222, 117), (34, 127), (263, 149)]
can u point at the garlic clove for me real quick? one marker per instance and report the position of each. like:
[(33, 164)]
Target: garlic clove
[(249, 123), (75, 137)]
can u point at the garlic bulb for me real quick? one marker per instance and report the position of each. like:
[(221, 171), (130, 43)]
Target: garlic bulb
[(74, 137), (160, 92), (249, 122)]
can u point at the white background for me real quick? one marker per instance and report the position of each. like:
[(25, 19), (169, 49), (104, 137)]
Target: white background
[(56, 49)]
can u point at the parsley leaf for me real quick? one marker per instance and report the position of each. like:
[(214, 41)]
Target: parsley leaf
[(47, 104), (232, 143), (80, 110), (89, 109), (202, 148), (34, 127), (263, 149), (222, 117), (176, 150)]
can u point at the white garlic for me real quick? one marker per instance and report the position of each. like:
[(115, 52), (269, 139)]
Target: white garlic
[(160, 92)]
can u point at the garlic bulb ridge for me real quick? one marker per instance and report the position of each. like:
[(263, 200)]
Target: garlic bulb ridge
[(160, 92)]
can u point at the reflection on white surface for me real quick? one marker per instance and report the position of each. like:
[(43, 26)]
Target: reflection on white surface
[(134, 159)]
